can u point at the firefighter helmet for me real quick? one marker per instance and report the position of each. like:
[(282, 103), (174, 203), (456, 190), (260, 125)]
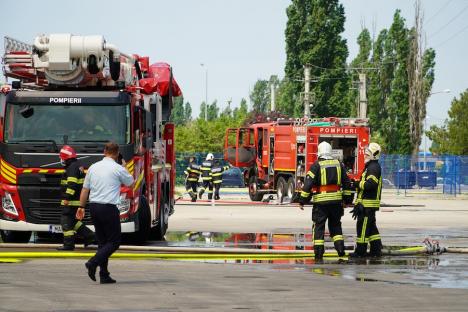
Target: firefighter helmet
[(210, 156), (67, 152), (324, 149), (373, 151)]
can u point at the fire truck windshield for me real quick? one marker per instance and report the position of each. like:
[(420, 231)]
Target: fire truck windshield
[(70, 123)]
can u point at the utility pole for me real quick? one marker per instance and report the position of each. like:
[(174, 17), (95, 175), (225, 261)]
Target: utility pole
[(272, 97), (362, 109), (307, 91)]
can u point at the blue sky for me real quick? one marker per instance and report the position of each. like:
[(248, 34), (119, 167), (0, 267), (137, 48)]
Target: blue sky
[(239, 41)]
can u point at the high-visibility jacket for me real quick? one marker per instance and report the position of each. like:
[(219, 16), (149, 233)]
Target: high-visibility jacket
[(193, 172), (370, 186), (328, 182), (217, 173), (206, 170), (72, 183)]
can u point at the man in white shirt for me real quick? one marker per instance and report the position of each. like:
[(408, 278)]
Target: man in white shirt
[(102, 185)]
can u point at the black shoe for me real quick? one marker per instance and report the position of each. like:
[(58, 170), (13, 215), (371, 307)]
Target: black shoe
[(66, 248), (356, 255), (194, 199), (91, 270), (217, 197), (89, 241), (107, 280)]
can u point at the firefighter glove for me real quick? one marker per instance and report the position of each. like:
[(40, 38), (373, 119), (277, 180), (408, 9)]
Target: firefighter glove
[(357, 211)]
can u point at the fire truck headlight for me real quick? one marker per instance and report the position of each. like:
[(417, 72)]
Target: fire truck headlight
[(8, 205), (124, 204)]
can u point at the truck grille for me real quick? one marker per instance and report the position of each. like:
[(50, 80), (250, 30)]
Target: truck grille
[(41, 204)]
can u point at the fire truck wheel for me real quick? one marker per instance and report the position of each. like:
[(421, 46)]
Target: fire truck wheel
[(15, 236), (281, 189), (144, 222), (291, 188), (160, 230), (254, 194)]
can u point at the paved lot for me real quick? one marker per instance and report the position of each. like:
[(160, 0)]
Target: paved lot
[(418, 283), (62, 285)]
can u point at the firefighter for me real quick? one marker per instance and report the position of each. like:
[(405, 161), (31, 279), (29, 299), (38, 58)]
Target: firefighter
[(72, 182), (206, 176), (217, 175), (367, 203), (191, 181), (330, 185)]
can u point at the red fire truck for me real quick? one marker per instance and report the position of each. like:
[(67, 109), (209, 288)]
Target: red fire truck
[(278, 154), (84, 92)]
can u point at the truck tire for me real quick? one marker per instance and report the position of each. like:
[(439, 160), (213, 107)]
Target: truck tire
[(291, 188), (15, 236), (254, 194), (144, 222), (281, 189), (160, 230)]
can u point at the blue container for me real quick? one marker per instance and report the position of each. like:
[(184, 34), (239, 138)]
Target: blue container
[(404, 179), (427, 179)]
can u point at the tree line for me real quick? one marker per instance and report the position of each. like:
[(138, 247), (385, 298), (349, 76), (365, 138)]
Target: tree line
[(399, 71)]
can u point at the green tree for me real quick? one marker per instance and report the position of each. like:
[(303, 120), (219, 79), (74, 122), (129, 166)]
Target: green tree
[(188, 112), (178, 113), (313, 36), (260, 96), (452, 137)]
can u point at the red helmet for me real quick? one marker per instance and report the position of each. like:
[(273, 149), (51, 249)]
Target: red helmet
[(67, 152)]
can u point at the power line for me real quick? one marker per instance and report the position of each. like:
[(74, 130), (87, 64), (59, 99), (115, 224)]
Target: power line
[(453, 36), (440, 10), (449, 22)]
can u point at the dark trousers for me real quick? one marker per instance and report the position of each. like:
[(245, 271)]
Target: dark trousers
[(217, 187), (191, 187), (332, 213), (71, 226), (207, 184), (106, 220), (367, 232)]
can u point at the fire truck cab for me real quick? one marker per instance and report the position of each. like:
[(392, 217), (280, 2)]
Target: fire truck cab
[(276, 155)]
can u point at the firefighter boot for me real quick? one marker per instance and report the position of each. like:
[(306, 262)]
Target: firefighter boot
[(68, 244), (200, 194), (318, 252), (375, 248), (359, 251), (340, 249), (210, 196), (217, 197)]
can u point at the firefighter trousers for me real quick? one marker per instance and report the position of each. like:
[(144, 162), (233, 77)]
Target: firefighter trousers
[(207, 184), (368, 233), (191, 187), (71, 226), (332, 213), (217, 187)]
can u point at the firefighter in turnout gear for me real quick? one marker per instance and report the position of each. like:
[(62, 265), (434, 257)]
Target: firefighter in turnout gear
[(71, 183), (217, 175), (367, 203), (191, 182), (206, 176), (331, 188)]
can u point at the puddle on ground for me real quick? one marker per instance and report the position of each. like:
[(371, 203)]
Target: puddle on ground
[(438, 271)]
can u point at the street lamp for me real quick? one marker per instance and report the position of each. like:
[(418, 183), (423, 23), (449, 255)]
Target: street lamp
[(425, 118), (206, 90)]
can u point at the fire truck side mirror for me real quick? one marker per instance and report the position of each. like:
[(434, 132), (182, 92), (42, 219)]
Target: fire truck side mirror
[(26, 111)]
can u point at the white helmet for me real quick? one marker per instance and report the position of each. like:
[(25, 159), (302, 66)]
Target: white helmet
[(209, 156), (324, 150), (372, 151)]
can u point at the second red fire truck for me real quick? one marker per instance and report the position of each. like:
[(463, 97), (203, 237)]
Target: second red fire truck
[(277, 154)]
